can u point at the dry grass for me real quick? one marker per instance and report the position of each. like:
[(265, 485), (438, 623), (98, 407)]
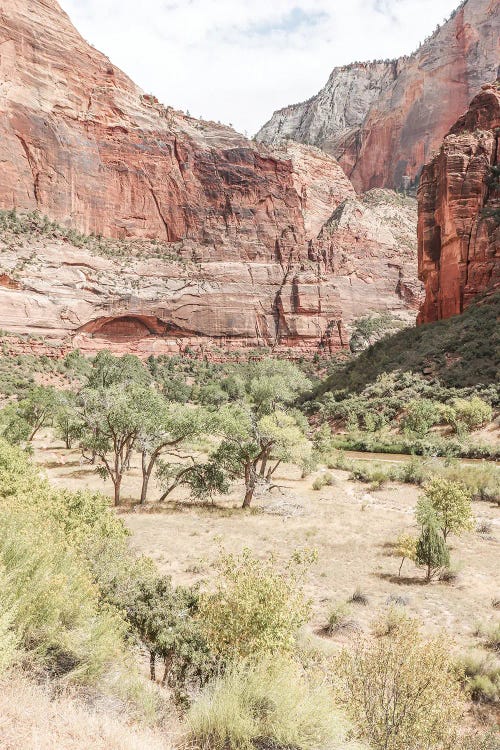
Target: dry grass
[(349, 526), (32, 720)]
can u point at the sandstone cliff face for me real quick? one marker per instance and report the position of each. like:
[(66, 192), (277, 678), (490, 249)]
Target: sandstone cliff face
[(238, 223), (382, 120), (459, 212)]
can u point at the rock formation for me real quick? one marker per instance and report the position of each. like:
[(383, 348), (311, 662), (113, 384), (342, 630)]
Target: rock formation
[(233, 250), (382, 120), (459, 212)]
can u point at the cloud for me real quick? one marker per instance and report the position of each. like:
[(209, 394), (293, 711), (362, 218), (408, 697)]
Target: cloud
[(238, 60)]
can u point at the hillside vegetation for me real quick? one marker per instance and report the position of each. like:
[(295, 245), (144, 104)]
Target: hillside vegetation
[(461, 351)]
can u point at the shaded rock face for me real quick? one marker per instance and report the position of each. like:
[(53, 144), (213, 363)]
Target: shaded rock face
[(245, 261), (459, 212), (382, 120)]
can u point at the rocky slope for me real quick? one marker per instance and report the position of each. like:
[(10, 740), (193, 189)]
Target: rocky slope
[(382, 120), (234, 246), (459, 212)]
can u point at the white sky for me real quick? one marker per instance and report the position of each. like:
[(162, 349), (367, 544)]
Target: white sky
[(238, 60)]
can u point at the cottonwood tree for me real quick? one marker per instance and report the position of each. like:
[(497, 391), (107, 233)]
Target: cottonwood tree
[(37, 409), (112, 419), (248, 442), (165, 429)]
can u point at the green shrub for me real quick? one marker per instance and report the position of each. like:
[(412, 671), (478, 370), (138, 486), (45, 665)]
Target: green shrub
[(472, 413), (272, 703), (481, 677), (421, 415), (256, 607), (323, 480)]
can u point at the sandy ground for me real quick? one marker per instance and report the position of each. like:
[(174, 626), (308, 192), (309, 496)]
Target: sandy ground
[(350, 527)]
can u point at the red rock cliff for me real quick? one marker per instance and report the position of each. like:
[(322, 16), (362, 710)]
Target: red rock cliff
[(458, 212), (382, 120), (83, 145)]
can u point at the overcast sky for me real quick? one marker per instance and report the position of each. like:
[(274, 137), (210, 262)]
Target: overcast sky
[(238, 60)]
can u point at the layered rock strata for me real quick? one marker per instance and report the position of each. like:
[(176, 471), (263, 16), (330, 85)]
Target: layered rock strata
[(382, 120), (459, 212), (235, 250)]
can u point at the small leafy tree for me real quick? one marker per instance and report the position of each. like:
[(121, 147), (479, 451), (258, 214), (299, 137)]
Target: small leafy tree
[(406, 548), (249, 443), (448, 503), (256, 606), (431, 551), (164, 618), (400, 690), (67, 419), (37, 409)]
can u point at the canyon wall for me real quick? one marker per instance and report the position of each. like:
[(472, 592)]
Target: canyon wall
[(234, 249), (382, 120), (459, 212)]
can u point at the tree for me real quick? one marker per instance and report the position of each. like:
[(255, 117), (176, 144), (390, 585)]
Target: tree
[(37, 409), (447, 504), (165, 427), (112, 419), (164, 617), (256, 607), (67, 419), (421, 415), (109, 370), (431, 550), (400, 690), (406, 548), (249, 442)]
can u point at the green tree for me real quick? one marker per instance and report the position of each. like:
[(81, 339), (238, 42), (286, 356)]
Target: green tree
[(164, 430), (37, 409), (421, 415), (112, 419), (67, 418), (250, 441), (448, 503), (431, 551), (109, 370)]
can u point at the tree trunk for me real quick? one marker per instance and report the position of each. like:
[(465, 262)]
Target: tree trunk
[(117, 483), (168, 666), (146, 475), (152, 665), (250, 480)]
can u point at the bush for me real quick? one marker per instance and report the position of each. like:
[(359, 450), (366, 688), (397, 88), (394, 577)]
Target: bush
[(421, 415), (272, 703), (256, 607), (472, 413), (481, 677), (401, 691), (323, 480), (54, 612)]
